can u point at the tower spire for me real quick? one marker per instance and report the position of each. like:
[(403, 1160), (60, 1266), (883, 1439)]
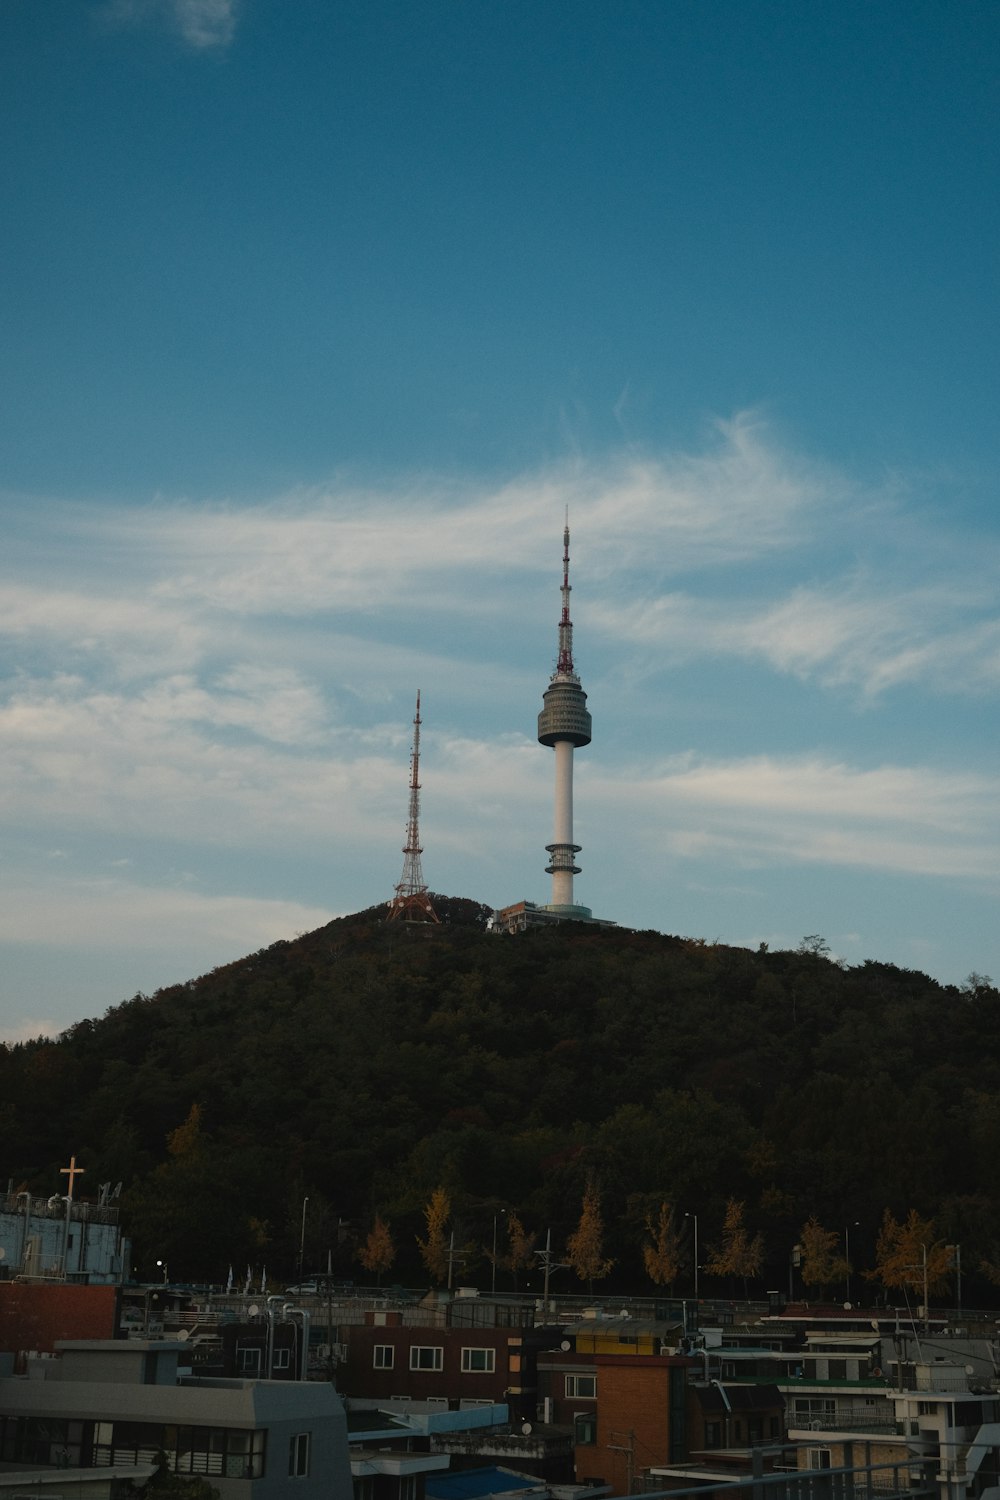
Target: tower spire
[(564, 723), (411, 901), (564, 661)]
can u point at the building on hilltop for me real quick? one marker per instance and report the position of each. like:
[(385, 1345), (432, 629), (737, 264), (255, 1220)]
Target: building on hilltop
[(564, 724)]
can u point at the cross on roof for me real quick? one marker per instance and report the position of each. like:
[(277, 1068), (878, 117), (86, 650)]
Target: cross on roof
[(72, 1172)]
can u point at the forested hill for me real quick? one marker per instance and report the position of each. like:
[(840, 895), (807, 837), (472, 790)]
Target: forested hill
[(366, 1064)]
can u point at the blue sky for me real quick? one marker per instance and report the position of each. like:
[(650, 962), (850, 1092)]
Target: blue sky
[(314, 318)]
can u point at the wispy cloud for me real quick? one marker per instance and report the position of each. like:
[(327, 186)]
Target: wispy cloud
[(813, 810), (205, 25), (94, 913)]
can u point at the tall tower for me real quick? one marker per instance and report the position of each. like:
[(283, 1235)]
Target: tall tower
[(411, 901), (564, 723)]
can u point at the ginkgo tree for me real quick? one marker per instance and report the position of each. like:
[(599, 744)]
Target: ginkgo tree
[(661, 1253), (738, 1254), (585, 1246), (378, 1251), (821, 1265), (909, 1253), (434, 1250)]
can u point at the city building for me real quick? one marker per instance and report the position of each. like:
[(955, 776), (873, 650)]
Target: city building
[(126, 1404), (62, 1238)]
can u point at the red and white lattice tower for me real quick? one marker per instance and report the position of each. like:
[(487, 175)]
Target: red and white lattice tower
[(411, 901)]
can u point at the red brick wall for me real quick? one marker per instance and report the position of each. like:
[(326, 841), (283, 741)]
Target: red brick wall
[(633, 1420), (359, 1377), (34, 1316)]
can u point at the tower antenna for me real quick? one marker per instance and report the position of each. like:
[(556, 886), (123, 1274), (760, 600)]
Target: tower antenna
[(411, 901)]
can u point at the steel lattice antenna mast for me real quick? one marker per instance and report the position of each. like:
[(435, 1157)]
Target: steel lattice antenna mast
[(564, 723), (411, 901)]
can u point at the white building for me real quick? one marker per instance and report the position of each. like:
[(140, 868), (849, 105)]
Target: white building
[(117, 1405)]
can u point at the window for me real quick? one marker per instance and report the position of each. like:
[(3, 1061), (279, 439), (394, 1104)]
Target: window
[(282, 1359), (927, 1408), (582, 1385), (479, 1361), (713, 1434), (837, 1369), (809, 1409), (426, 1357), (819, 1458), (584, 1428), (235, 1453), (384, 1357), (298, 1456), (248, 1361)]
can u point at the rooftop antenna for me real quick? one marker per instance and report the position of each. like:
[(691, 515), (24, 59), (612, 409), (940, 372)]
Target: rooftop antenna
[(411, 901)]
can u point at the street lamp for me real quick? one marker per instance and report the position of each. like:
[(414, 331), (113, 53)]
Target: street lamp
[(163, 1267), (694, 1218), (847, 1256), (493, 1278), (302, 1238)]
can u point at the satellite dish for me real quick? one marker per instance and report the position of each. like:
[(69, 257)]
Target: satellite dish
[(566, 1346), (253, 1310), (526, 1428), (970, 1369), (848, 1306), (183, 1334)]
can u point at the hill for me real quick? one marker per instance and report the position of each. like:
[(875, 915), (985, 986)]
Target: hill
[(365, 1064)]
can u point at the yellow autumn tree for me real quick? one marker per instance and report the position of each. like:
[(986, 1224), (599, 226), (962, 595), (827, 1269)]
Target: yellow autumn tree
[(585, 1246), (908, 1254), (738, 1254), (520, 1247), (821, 1266), (661, 1253), (186, 1140), (378, 1251), (434, 1249)]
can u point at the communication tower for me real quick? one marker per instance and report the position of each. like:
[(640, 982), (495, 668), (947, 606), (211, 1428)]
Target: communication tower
[(564, 724), (411, 902)]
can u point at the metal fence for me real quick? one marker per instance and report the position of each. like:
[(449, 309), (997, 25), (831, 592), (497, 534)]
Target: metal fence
[(885, 1481)]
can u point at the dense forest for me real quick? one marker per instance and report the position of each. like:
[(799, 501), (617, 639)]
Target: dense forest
[(368, 1064)]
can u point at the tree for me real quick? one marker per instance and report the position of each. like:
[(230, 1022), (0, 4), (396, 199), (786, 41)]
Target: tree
[(164, 1484), (738, 1255), (378, 1251), (908, 1255), (584, 1248), (434, 1249), (662, 1253), (520, 1247), (820, 1266)]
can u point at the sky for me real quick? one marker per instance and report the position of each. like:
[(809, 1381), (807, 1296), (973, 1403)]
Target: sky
[(316, 315)]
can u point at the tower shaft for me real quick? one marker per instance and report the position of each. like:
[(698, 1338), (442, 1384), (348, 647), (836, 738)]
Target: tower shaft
[(411, 901)]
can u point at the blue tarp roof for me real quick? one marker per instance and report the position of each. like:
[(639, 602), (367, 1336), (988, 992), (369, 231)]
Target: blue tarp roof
[(474, 1484)]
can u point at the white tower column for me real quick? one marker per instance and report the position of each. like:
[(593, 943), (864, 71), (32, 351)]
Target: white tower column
[(562, 879)]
